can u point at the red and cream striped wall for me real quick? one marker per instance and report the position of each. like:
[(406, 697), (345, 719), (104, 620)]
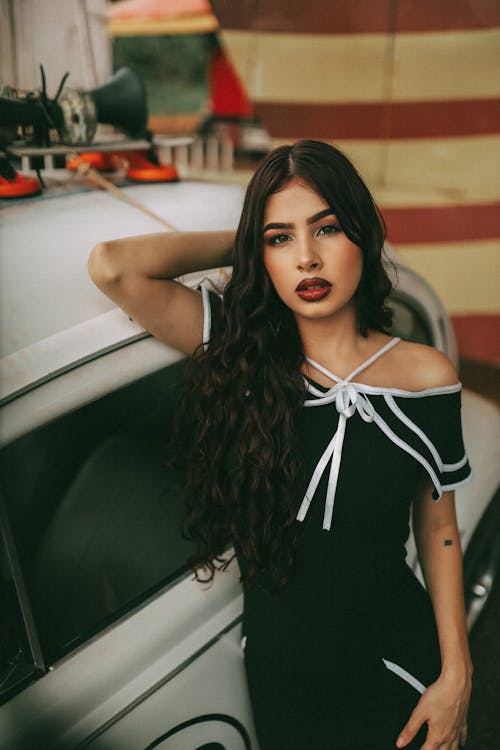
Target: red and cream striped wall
[(409, 89)]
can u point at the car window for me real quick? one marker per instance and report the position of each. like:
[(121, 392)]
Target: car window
[(15, 659), (95, 512), (408, 324), (20, 658)]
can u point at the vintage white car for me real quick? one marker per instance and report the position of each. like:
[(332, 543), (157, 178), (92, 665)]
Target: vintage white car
[(107, 642)]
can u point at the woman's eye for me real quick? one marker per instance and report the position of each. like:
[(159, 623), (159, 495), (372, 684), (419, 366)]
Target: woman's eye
[(329, 229), (278, 239)]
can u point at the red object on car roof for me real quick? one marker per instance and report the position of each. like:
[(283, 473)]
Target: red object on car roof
[(139, 167), (19, 186)]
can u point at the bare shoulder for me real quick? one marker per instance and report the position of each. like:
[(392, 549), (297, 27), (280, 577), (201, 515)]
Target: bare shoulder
[(424, 367)]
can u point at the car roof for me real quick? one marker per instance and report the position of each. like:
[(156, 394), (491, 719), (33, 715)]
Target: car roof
[(51, 314), (45, 243)]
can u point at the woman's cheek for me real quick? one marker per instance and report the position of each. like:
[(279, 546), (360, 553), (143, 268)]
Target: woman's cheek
[(274, 272), (352, 264)]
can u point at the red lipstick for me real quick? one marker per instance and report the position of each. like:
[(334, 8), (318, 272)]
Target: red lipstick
[(314, 289)]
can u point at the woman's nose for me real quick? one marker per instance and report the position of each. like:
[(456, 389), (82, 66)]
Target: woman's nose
[(307, 258)]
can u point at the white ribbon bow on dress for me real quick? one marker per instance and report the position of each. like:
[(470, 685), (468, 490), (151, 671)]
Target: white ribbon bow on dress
[(348, 398)]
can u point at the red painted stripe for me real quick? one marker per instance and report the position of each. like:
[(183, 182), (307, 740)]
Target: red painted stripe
[(139, 9), (381, 120), (456, 223), (447, 15), (478, 336), (312, 17), (362, 16)]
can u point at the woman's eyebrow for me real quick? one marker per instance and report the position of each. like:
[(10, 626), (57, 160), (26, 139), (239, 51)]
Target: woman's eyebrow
[(275, 225), (321, 215), (311, 220)]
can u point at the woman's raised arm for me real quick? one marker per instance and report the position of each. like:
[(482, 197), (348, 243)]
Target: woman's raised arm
[(138, 274)]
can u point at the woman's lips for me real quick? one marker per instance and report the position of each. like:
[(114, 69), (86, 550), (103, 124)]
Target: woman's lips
[(312, 290)]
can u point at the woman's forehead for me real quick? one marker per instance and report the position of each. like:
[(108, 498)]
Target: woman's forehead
[(295, 201)]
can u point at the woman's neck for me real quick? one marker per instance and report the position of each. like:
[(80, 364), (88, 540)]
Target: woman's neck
[(334, 338)]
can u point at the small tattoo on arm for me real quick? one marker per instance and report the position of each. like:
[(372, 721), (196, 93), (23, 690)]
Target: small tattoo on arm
[(448, 542)]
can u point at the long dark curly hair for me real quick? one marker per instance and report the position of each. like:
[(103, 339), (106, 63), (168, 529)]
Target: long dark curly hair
[(243, 393)]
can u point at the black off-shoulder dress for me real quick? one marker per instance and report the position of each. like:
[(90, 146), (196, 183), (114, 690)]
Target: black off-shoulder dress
[(338, 658)]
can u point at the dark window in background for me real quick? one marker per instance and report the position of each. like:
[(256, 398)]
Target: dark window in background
[(174, 69)]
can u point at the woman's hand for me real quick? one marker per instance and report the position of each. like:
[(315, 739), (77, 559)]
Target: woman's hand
[(444, 707)]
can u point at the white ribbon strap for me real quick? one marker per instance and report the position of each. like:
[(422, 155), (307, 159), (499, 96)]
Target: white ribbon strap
[(348, 399), (334, 474), (207, 316), (316, 477)]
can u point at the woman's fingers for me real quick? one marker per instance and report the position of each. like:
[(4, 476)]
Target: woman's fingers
[(435, 743), (411, 728), (436, 740), (443, 706)]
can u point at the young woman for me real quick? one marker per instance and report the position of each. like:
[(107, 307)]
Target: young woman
[(312, 432)]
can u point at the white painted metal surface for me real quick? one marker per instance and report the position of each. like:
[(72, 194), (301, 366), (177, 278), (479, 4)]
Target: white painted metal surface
[(107, 677)]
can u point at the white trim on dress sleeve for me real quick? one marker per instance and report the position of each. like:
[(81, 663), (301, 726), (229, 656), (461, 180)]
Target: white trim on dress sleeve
[(457, 465), (442, 467), (389, 399), (207, 316), (460, 482)]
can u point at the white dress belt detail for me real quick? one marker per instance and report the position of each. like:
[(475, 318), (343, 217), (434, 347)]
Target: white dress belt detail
[(405, 675)]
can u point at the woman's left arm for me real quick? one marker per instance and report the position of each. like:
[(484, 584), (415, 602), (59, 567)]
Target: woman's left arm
[(444, 705)]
